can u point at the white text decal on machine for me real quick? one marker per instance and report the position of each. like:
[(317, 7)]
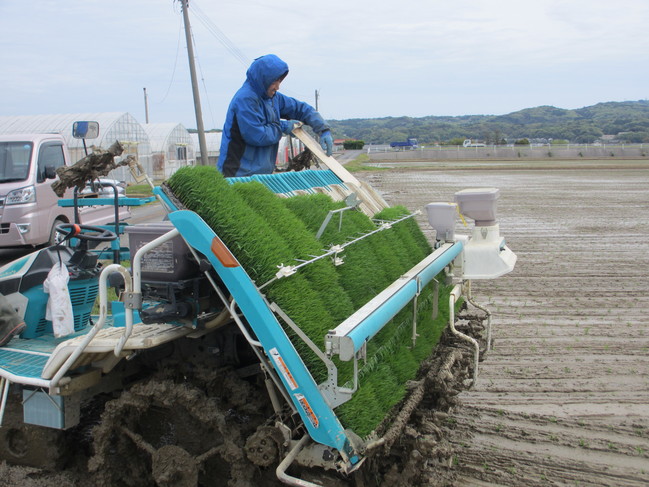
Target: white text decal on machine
[(307, 409), (281, 366)]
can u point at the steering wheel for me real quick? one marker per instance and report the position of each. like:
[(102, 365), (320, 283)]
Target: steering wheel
[(85, 232)]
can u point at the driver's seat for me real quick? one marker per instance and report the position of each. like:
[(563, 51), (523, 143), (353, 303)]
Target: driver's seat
[(83, 287)]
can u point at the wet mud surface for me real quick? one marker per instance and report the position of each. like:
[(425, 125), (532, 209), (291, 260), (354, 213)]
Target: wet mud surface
[(561, 399)]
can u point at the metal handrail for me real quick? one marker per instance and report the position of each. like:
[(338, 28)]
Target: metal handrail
[(103, 312)]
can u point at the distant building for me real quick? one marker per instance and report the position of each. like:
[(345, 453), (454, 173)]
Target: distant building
[(608, 139), (172, 147), (213, 141), (113, 126)]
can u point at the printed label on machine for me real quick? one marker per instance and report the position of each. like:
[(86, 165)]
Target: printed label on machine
[(281, 366), (159, 259), (307, 409)]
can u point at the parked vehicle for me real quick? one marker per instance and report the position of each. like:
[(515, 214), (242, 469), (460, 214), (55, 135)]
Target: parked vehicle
[(29, 210), (470, 143), (104, 188), (407, 145)]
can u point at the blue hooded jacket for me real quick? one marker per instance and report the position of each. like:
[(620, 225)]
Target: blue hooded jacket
[(254, 126)]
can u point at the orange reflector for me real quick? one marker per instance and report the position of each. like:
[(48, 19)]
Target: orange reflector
[(223, 254)]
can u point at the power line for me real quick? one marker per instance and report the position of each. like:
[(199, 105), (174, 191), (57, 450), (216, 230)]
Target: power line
[(173, 74), (200, 68), (219, 34), (229, 46)]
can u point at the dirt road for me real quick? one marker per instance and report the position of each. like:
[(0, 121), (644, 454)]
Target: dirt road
[(563, 399)]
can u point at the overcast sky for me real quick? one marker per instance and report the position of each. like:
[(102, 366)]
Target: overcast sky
[(367, 58)]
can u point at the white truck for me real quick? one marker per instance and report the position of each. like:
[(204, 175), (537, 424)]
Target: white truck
[(29, 210)]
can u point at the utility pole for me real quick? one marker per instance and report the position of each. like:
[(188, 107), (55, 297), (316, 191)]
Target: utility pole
[(192, 71), (146, 106), (316, 100)]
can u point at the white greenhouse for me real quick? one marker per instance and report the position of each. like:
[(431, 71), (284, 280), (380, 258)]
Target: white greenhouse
[(213, 141), (113, 126), (171, 148)]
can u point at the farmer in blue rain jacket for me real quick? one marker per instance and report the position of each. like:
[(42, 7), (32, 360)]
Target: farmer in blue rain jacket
[(257, 118)]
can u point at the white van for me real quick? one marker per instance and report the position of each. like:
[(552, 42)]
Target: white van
[(29, 210)]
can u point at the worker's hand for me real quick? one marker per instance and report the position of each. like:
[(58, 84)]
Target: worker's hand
[(327, 142), (289, 125)]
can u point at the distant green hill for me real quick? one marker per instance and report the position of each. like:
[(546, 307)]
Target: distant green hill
[(628, 121)]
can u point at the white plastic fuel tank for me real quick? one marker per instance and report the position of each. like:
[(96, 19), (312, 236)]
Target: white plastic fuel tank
[(441, 217), (479, 204)]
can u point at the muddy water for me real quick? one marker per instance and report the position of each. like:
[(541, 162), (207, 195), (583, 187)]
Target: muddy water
[(563, 399)]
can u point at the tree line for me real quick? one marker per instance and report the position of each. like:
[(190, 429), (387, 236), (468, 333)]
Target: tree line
[(628, 121)]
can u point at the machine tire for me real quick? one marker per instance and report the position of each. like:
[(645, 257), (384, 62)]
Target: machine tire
[(55, 236), (29, 445), (162, 432)]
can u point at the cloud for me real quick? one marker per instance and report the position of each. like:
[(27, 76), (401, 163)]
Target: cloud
[(367, 58)]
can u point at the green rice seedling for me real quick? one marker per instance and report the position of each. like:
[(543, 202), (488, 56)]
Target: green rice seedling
[(362, 275), (387, 389), (370, 267), (408, 239), (312, 209), (399, 239), (299, 240), (373, 258), (402, 361), (431, 330), (362, 413), (208, 194), (259, 248), (406, 368), (264, 231), (392, 347)]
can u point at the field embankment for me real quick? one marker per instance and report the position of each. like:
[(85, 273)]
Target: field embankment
[(523, 153)]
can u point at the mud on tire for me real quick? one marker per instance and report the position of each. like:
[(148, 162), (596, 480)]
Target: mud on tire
[(162, 432)]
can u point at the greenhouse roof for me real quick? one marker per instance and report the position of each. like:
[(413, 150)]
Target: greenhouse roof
[(118, 125), (212, 139), (161, 135)]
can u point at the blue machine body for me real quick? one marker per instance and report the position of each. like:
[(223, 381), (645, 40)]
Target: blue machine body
[(319, 418), (317, 414)]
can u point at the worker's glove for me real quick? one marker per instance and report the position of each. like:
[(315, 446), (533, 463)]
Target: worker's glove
[(327, 142), (289, 125)]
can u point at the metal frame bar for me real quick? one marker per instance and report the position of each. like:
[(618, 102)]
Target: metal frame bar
[(350, 336), (334, 394), (4, 392), (65, 366), (454, 296), (334, 250)]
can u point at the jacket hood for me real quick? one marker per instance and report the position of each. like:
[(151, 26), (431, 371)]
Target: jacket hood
[(265, 70)]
